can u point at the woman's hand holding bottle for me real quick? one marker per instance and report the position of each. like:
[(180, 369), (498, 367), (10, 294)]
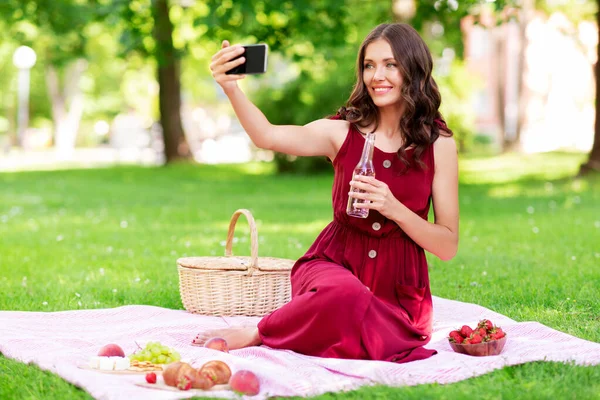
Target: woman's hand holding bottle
[(223, 61), (376, 195)]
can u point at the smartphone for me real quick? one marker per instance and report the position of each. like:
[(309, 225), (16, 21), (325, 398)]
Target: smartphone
[(256, 60)]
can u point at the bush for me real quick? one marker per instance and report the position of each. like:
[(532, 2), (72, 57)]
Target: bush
[(457, 90), (301, 101)]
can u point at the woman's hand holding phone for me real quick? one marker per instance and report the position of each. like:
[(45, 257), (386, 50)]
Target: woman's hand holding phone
[(223, 61)]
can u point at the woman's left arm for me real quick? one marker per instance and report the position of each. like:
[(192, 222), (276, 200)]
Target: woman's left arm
[(441, 237)]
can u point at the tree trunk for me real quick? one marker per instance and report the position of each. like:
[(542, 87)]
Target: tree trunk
[(176, 147), (522, 88), (593, 162), (67, 106), (499, 35)]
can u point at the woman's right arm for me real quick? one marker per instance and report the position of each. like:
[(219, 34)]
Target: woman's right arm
[(318, 138)]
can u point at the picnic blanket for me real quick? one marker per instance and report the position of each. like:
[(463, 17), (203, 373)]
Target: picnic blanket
[(62, 341)]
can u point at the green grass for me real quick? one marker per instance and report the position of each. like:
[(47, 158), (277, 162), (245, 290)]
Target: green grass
[(529, 249)]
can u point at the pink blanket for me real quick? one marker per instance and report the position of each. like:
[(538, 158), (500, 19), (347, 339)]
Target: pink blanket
[(61, 341)]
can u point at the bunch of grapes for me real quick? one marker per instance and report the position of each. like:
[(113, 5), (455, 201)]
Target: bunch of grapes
[(156, 353)]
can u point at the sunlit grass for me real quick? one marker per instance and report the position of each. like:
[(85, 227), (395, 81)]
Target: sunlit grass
[(529, 249), (511, 166)]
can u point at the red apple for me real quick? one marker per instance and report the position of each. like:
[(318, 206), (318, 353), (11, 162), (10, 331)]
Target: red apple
[(217, 343), (111, 350), (245, 382)]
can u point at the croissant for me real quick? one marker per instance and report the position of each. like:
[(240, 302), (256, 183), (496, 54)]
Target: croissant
[(217, 371), (177, 372)]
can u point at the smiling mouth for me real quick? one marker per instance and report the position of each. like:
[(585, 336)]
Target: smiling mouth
[(382, 90)]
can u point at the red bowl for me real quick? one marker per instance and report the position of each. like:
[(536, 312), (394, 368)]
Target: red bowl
[(491, 348)]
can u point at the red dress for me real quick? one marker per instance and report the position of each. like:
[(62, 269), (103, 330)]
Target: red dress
[(362, 289)]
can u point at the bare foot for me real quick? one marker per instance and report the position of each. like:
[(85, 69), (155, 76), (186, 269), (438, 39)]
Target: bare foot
[(237, 338)]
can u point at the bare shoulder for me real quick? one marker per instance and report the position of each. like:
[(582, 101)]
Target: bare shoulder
[(334, 129), (445, 149)]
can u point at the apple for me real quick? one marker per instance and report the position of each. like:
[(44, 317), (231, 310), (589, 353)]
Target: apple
[(217, 343), (111, 350), (245, 382)]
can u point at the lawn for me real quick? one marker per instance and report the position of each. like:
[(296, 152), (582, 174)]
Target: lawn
[(529, 249)]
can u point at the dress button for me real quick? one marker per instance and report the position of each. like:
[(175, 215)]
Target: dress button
[(424, 337), (372, 254), (376, 226), (387, 163)]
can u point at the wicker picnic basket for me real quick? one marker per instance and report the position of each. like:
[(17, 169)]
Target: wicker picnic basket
[(234, 285)]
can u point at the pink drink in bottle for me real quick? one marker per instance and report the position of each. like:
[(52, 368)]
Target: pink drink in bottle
[(364, 167)]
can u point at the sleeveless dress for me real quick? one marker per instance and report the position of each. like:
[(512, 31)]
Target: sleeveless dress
[(361, 291)]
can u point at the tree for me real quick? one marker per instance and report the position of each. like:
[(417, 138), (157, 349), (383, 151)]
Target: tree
[(593, 161), (169, 72), (55, 28), (448, 13), (146, 29), (444, 24), (282, 25)]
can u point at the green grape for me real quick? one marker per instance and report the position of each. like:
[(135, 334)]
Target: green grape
[(155, 351)]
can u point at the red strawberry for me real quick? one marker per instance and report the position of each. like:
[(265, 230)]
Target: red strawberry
[(476, 338), (456, 337), (482, 332), (486, 324), (497, 333), (185, 383), (466, 331), (151, 377), (455, 332), (467, 341)]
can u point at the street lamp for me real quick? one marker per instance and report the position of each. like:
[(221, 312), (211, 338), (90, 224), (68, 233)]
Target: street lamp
[(404, 9), (23, 58)]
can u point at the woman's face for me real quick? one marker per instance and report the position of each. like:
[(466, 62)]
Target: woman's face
[(381, 74)]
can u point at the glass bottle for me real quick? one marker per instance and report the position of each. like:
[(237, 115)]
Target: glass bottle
[(364, 167)]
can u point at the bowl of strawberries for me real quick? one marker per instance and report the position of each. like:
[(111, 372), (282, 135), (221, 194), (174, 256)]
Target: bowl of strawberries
[(485, 340)]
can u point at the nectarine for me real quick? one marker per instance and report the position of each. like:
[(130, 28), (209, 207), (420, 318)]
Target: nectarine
[(111, 350), (217, 343), (245, 382)]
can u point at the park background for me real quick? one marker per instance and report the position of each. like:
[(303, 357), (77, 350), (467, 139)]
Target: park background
[(119, 154)]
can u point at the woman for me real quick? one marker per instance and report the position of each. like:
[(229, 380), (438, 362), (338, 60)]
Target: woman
[(362, 290)]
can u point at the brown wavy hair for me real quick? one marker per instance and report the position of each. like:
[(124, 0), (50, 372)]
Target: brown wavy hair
[(421, 121)]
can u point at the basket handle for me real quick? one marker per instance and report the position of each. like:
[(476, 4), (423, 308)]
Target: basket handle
[(253, 237)]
